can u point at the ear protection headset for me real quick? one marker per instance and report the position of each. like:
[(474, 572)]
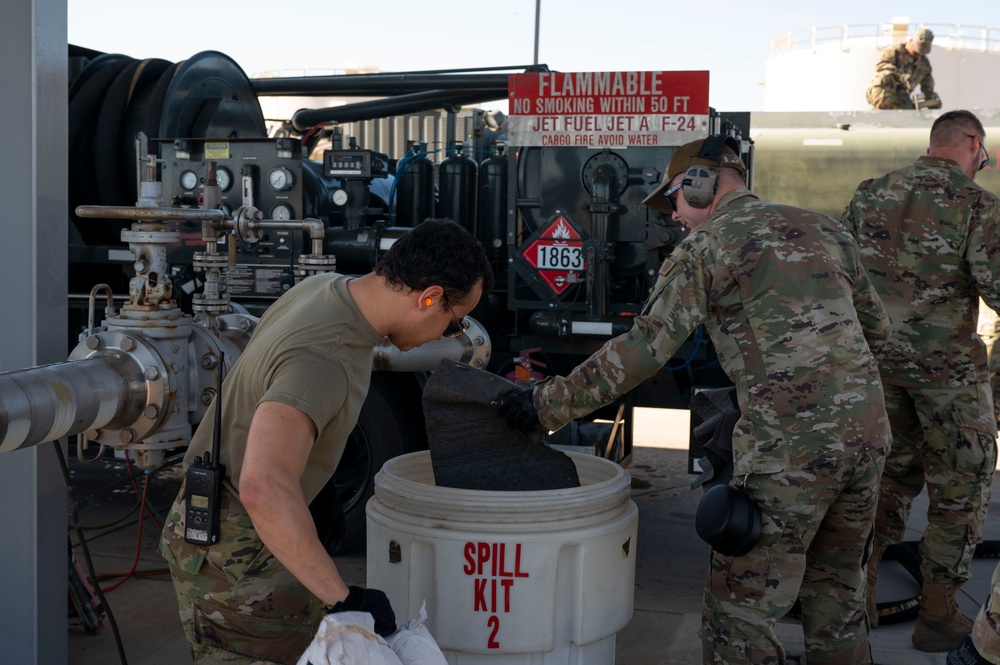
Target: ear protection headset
[(700, 181)]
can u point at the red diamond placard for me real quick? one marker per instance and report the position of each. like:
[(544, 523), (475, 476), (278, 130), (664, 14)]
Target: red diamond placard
[(556, 254)]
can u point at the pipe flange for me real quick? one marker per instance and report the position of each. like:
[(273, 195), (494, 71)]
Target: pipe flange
[(145, 408), (318, 260), (236, 329), (201, 303), (211, 308), (167, 323), (203, 364), (146, 237), (311, 264), (482, 346), (205, 260), (246, 224)]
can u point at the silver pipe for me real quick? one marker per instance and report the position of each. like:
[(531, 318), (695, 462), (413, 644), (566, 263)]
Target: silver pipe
[(49, 402), (161, 214), (473, 348), (538, 22), (86, 296), (424, 358), (287, 225)]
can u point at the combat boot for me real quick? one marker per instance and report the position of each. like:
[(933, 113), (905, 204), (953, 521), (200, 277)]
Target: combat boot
[(871, 606), (940, 626)]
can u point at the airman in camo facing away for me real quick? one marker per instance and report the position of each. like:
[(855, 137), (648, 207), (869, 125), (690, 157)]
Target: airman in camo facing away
[(900, 70), (791, 312), (930, 241)]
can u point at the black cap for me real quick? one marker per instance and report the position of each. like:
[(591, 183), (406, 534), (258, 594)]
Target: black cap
[(728, 520)]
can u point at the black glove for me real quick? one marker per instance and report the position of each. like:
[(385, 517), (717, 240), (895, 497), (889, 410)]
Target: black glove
[(519, 409), (372, 601)]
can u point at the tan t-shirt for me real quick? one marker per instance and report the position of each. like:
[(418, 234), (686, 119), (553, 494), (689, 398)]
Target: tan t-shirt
[(313, 351)]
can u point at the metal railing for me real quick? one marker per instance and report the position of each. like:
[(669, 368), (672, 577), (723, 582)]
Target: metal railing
[(951, 36)]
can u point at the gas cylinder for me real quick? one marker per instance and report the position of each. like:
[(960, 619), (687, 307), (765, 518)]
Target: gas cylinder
[(491, 224), (457, 179), (415, 187)]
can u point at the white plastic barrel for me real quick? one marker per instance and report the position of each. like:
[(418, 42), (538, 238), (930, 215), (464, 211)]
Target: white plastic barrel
[(510, 578)]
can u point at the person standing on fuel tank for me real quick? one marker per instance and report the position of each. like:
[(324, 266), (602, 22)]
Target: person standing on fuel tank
[(791, 313), (930, 240), (258, 594)]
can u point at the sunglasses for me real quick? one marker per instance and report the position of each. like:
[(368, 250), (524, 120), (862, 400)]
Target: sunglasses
[(456, 327), (982, 149), (669, 195)]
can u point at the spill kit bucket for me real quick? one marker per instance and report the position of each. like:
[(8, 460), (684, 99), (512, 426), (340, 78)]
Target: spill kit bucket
[(510, 578)]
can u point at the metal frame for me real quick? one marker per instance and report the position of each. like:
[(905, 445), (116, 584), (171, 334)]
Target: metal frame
[(33, 257)]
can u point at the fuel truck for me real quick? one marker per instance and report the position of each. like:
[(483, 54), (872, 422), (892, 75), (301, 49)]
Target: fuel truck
[(190, 213)]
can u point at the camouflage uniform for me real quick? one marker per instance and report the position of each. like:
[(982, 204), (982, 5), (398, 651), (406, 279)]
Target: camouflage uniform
[(312, 350), (897, 74), (989, 330), (238, 605), (887, 90), (929, 240), (788, 307), (986, 629)]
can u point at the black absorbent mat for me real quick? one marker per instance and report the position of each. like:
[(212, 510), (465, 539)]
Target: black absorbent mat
[(471, 447)]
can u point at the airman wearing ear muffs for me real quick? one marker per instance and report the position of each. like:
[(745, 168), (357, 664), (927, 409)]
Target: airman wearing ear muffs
[(783, 297)]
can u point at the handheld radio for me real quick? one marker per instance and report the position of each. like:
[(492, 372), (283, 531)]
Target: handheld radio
[(203, 483)]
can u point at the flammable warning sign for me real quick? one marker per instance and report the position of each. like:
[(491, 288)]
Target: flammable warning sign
[(556, 254), (607, 109)]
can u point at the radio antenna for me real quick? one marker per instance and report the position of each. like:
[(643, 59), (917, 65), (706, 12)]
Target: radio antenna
[(217, 431)]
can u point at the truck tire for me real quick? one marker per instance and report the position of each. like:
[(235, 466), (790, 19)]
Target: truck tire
[(391, 423)]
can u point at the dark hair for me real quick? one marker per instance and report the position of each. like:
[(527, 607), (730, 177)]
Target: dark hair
[(437, 252), (952, 127)]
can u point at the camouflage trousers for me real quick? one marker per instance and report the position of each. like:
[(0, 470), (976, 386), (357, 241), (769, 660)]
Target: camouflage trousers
[(988, 329), (888, 97), (986, 629), (238, 605), (816, 537), (944, 439)]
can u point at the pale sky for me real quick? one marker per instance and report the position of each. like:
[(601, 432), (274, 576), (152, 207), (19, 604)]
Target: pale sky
[(727, 38)]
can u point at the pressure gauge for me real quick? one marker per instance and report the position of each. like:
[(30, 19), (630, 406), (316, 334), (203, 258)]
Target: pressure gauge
[(339, 197), (281, 212), (224, 178), (280, 179), (189, 180)]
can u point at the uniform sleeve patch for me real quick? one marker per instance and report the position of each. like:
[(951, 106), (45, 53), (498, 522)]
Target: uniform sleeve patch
[(666, 266)]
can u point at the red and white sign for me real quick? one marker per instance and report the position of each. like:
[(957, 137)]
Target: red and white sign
[(557, 255), (607, 109), (495, 569)]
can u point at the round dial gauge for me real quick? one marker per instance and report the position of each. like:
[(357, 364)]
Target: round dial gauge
[(339, 197), (189, 180), (224, 178), (280, 179), (281, 212)]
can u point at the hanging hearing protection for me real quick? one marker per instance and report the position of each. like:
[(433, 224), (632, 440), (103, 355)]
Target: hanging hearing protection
[(700, 181)]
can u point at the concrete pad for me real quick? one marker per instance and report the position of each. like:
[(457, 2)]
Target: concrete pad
[(671, 565)]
